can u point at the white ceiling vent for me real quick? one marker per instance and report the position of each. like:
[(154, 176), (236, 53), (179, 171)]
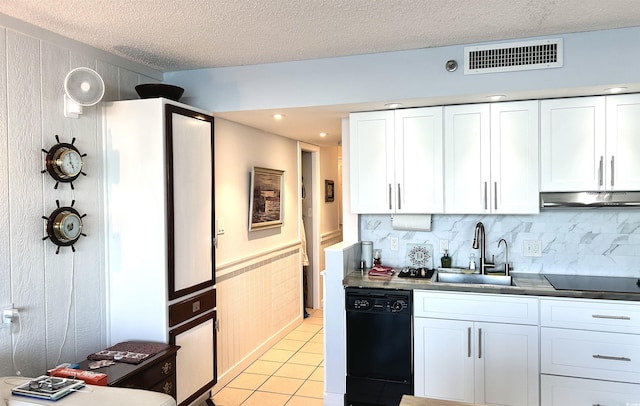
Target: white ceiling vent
[(513, 56)]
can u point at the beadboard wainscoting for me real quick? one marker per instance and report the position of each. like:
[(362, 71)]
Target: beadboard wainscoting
[(258, 303), (60, 297)]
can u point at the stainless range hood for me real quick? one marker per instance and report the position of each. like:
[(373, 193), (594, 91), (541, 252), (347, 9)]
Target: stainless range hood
[(589, 199)]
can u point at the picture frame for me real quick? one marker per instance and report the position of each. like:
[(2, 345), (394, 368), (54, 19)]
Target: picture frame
[(329, 190), (266, 198)]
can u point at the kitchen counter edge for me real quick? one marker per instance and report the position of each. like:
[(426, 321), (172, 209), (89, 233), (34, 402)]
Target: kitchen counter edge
[(525, 284)]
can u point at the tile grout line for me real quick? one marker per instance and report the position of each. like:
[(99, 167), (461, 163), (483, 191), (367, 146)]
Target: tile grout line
[(304, 381)]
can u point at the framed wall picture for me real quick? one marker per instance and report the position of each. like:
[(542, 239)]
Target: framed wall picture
[(329, 190), (265, 203)]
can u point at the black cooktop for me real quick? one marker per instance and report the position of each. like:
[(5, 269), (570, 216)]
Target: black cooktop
[(595, 283)]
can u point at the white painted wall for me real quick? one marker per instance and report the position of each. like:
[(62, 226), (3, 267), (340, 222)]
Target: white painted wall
[(60, 297), (591, 60), (237, 148), (330, 220)]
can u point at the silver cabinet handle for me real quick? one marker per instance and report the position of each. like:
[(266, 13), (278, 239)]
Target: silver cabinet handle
[(399, 199), (612, 165), (597, 356), (485, 196), (469, 342), (495, 195), (600, 171), (390, 196), (605, 316), (479, 343)]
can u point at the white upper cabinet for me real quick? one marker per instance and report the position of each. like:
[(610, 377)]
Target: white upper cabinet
[(371, 161), (623, 142), (396, 161), (572, 144), (590, 144), (491, 158), (418, 160), (466, 146)]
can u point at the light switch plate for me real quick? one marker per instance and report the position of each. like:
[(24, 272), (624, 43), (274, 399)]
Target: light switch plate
[(220, 228)]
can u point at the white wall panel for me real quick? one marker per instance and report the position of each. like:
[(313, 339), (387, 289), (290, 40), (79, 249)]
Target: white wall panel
[(109, 74), (5, 260), (127, 82), (88, 267), (46, 287), (58, 268), (26, 205)]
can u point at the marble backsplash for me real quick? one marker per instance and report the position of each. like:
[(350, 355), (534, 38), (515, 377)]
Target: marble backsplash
[(574, 241)]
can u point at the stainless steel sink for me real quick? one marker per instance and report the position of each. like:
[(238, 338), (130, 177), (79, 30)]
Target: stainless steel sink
[(473, 279)]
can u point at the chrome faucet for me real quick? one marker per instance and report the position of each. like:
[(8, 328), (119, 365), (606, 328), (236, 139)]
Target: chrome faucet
[(506, 253), (478, 234)]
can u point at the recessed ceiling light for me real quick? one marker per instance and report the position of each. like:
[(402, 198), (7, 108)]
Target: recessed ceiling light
[(496, 97), (278, 116), (615, 89), (393, 105), (323, 134)]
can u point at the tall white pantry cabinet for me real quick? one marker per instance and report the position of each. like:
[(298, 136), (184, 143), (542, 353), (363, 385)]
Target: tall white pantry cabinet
[(160, 259)]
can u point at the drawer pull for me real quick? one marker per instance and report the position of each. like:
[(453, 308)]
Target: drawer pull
[(167, 367), (167, 388), (479, 343), (611, 358), (469, 342), (604, 316)]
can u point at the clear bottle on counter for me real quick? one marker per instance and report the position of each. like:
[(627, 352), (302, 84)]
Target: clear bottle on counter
[(472, 261)]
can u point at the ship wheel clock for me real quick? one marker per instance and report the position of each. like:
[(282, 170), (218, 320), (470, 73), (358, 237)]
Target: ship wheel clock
[(64, 226), (63, 162)]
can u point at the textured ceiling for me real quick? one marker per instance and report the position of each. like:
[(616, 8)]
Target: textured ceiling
[(171, 35)]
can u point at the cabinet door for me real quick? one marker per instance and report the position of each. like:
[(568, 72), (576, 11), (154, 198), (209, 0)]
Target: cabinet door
[(467, 160), (572, 144), (506, 364), (514, 158), (371, 154), (418, 160), (196, 360), (443, 364), (622, 166), (189, 149)]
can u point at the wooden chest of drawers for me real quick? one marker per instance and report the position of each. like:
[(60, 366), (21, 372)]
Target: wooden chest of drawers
[(157, 374)]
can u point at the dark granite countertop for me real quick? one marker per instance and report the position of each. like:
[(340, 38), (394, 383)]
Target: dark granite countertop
[(523, 284)]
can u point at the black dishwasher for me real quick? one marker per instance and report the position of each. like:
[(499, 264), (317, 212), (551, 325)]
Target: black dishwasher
[(379, 346)]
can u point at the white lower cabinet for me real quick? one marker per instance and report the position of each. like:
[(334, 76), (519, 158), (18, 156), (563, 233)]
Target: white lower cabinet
[(474, 360), (565, 391), (589, 352)]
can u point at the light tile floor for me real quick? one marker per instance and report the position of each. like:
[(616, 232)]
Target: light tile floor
[(291, 373)]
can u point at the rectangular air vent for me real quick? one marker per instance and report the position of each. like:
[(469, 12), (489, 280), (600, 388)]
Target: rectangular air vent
[(513, 56)]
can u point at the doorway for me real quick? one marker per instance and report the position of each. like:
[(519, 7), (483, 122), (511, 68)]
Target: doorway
[(310, 222)]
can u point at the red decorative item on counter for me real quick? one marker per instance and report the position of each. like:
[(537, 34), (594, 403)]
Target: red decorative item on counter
[(380, 270)]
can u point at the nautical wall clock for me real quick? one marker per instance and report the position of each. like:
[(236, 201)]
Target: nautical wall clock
[(64, 226), (63, 162)]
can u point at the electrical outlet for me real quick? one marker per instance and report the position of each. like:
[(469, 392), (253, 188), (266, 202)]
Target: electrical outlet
[(9, 315), (394, 243), (444, 245), (532, 248)]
